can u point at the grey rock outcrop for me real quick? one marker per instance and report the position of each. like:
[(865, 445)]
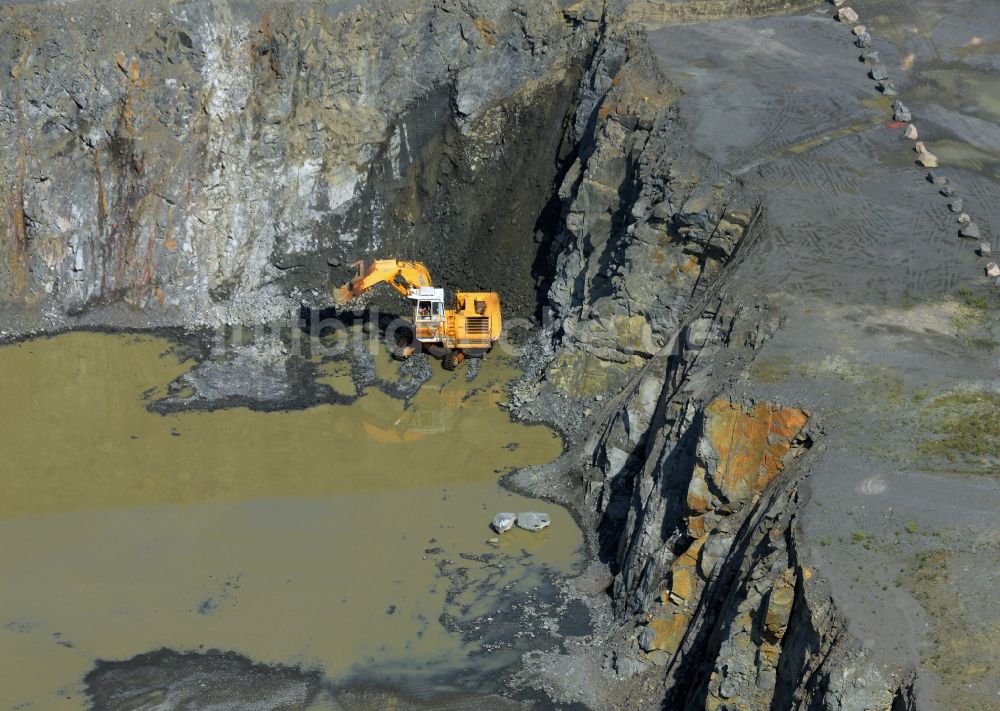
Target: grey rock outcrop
[(647, 221), (201, 168)]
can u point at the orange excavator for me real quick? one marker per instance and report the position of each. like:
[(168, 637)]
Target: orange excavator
[(469, 329)]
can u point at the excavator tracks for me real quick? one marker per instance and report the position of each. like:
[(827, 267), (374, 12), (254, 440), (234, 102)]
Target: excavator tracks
[(401, 352), (452, 359)]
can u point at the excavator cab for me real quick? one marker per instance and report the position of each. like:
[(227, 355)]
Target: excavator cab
[(428, 313)]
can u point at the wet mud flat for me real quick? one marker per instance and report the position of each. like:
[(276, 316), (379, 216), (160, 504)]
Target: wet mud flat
[(264, 559)]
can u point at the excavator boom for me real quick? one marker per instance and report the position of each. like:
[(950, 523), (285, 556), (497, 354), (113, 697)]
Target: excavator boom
[(400, 275)]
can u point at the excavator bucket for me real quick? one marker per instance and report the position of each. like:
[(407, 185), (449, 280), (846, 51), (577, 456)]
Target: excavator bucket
[(343, 294)]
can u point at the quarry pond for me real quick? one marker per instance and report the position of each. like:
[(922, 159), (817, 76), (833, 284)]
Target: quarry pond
[(349, 542)]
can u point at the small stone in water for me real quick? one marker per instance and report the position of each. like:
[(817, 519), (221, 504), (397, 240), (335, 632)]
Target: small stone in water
[(503, 522), (532, 520)]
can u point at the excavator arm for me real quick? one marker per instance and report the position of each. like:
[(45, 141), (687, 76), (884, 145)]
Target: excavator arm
[(400, 275)]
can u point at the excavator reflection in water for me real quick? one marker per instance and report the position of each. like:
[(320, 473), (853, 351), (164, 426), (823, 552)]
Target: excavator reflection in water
[(431, 416), (468, 330)]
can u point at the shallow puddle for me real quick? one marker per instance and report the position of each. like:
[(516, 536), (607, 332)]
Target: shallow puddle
[(334, 537)]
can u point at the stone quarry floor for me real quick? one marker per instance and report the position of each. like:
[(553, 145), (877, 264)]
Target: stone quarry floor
[(891, 321)]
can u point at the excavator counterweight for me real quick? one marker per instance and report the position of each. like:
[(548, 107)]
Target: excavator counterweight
[(469, 329)]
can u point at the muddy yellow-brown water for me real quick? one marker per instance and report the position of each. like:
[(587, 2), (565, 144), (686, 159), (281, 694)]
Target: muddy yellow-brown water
[(318, 537)]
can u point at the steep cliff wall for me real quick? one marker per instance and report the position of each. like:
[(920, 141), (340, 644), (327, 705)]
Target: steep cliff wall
[(688, 484), (198, 163), (647, 221)]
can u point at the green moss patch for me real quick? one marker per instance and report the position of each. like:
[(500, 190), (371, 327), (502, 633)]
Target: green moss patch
[(964, 429)]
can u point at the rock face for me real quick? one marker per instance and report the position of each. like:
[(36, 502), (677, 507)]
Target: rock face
[(697, 494), (741, 450), (192, 163), (691, 489), (726, 454), (646, 221)]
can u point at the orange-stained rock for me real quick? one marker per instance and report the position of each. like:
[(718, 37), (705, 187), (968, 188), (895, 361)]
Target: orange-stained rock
[(741, 450), (667, 634), (681, 584), (690, 556), (683, 572), (692, 265), (696, 526), (487, 29), (779, 610), (770, 652), (699, 497)]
